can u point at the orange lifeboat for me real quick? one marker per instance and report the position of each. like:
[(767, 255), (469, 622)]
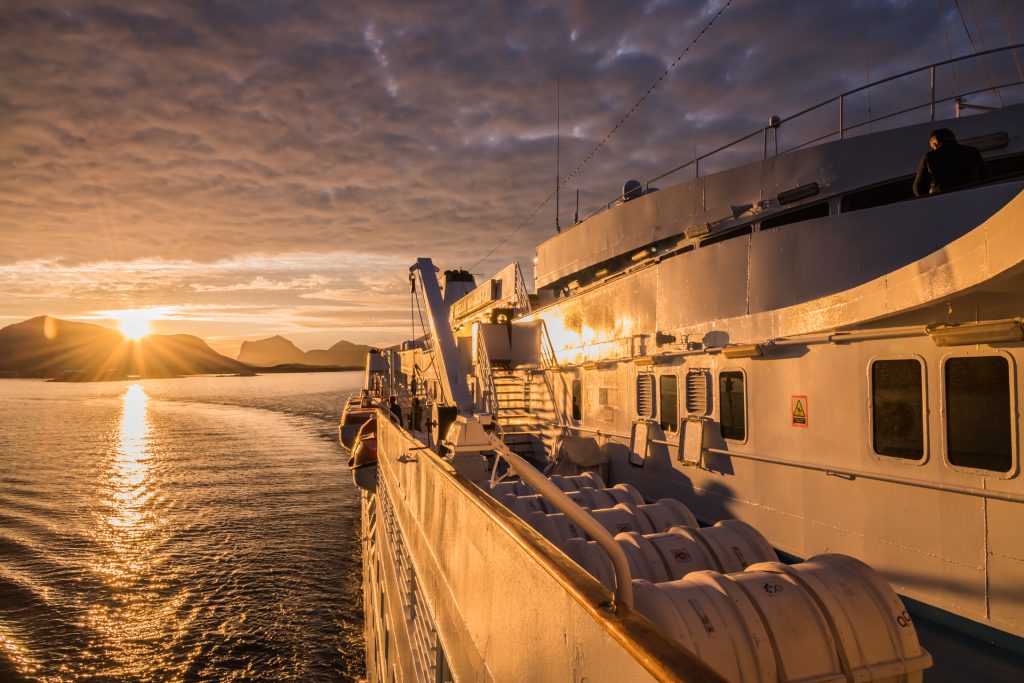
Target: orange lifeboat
[(357, 412), (363, 460)]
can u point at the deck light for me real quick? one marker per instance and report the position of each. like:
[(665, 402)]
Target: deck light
[(976, 333), (743, 351)]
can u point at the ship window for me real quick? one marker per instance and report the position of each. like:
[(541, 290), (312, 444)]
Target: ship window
[(697, 392), (897, 409), (732, 405), (715, 239), (978, 417), (887, 193), (804, 213), (1006, 168), (668, 399), (577, 399), (645, 395)]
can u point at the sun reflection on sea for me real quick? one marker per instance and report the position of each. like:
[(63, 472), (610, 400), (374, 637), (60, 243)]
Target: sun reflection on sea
[(130, 614), (128, 522)]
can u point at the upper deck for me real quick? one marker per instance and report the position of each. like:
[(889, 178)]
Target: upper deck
[(809, 185), (836, 179)]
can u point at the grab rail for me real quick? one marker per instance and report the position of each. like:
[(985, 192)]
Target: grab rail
[(549, 361), (579, 516), (841, 472), (833, 471), (486, 372)]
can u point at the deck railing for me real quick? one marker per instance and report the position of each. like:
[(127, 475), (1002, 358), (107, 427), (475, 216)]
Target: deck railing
[(776, 123), (484, 370)]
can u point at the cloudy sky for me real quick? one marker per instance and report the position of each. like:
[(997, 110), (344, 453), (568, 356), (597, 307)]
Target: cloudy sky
[(257, 167)]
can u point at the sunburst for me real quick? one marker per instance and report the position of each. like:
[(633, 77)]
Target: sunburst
[(134, 324)]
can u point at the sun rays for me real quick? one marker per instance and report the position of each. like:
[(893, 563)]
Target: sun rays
[(135, 323)]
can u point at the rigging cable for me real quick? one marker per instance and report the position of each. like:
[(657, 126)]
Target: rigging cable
[(974, 48), (1009, 34), (605, 139), (949, 45)]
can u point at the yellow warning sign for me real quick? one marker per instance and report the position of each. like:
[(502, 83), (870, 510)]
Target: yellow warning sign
[(798, 409)]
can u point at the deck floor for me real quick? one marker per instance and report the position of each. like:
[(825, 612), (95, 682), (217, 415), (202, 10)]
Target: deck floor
[(960, 658)]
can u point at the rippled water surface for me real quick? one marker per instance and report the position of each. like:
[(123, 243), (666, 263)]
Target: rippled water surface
[(202, 528)]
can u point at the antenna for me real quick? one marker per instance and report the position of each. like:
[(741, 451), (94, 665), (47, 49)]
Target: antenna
[(576, 216), (558, 147)]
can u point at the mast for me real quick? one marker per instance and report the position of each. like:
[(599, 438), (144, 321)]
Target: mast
[(558, 148)]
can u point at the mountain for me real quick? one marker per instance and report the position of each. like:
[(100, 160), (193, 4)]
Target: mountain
[(274, 350), (278, 351), (48, 347)]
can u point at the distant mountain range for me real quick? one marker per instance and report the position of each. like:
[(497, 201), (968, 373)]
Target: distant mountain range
[(277, 350), (48, 347)]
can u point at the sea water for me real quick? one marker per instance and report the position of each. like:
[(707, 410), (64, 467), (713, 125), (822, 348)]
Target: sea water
[(201, 528)]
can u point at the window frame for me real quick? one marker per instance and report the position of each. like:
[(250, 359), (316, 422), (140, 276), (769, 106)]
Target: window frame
[(717, 413), (675, 429), (925, 426), (1012, 417)]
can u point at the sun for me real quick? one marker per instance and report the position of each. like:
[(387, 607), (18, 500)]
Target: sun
[(135, 325)]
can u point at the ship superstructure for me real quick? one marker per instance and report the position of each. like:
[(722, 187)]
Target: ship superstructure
[(792, 359)]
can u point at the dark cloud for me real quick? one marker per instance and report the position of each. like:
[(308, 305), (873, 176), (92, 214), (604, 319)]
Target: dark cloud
[(204, 131)]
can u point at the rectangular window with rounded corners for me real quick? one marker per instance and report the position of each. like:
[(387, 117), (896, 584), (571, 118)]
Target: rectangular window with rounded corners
[(732, 405), (978, 417), (577, 399), (897, 408), (645, 395), (804, 213), (668, 400)]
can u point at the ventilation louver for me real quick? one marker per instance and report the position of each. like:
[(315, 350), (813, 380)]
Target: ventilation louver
[(645, 395), (697, 392)]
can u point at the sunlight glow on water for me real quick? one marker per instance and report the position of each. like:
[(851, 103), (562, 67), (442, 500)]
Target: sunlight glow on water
[(191, 529)]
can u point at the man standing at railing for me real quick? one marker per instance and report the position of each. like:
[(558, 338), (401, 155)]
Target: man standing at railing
[(948, 166)]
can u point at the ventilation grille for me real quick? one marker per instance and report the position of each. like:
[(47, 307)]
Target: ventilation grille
[(645, 395), (697, 392)]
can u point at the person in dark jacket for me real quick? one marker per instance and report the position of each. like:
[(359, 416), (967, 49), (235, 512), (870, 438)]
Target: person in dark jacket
[(948, 166), (396, 410)]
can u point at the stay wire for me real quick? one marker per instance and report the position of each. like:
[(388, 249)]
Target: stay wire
[(949, 45), (1009, 34), (974, 48), (605, 139)]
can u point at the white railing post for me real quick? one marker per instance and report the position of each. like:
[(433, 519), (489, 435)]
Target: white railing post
[(932, 108)]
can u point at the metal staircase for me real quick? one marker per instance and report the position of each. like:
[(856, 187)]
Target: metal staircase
[(521, 429)]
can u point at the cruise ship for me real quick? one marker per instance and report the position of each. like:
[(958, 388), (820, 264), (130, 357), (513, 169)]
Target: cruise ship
[(762, 424)]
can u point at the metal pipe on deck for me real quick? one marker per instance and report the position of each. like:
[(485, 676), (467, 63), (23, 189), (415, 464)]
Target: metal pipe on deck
[(579, 516)]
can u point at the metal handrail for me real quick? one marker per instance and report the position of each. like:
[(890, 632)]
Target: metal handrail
[(550, 363), (583, 519), (522, 296), (840, 472), (776, 123), (835, 471), (484, 370)]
